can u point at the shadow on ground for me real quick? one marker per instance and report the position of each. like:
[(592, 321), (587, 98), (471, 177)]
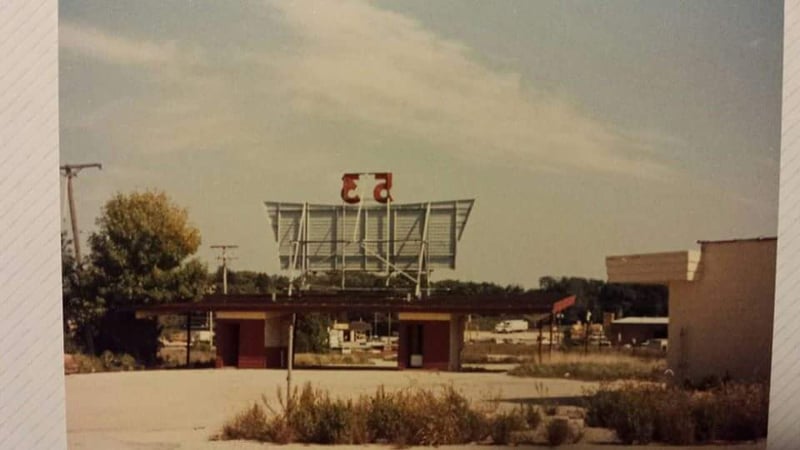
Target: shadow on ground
[(578, 400)]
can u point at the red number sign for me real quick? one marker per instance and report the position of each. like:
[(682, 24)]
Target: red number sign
[(348, 186), (381, 193)]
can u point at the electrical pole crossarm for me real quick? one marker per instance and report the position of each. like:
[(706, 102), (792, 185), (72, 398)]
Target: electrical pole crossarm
[(75, 168)]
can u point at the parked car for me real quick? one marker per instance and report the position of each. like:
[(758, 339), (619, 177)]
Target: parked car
[(511, 326)]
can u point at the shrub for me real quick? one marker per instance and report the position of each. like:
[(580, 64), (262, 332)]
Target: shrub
[(674, 423), (405, 417), (602, 405), (250, 424), (532, 416), (558, 432), (705, 417), (743, 411), (592, 370), (106, 362), (642, 414), (385, 417), (505, 425), (637, 426)]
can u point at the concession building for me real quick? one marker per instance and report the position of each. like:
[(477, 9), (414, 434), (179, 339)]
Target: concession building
[(395, 241), (721, 303)]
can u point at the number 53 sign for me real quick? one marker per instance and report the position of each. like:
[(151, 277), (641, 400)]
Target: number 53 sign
[(381, 193)]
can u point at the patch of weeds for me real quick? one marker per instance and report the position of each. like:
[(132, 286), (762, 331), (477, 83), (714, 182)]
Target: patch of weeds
[(641, 414)]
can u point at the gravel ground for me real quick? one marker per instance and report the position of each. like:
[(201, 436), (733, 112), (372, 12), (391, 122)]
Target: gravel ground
[(181, 409)]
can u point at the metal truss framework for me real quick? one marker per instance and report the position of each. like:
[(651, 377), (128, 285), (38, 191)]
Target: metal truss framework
[(406, 240)]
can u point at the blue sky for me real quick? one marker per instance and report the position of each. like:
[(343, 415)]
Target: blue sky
[(583, 129)]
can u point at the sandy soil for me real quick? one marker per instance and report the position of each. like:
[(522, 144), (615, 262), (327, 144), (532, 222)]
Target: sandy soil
[(181, 409)]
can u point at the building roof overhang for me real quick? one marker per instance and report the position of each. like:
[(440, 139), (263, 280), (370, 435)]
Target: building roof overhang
[(642, 321), (528, 303), (653, 268)]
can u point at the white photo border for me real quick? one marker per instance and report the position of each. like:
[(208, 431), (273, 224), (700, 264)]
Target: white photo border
[(32, 397)]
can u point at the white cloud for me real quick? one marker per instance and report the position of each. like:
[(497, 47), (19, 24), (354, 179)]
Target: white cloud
[(381, 68), (98, 44), (356, 64)]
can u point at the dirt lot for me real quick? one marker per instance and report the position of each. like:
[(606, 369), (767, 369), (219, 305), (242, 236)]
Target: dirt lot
[(180, 409)]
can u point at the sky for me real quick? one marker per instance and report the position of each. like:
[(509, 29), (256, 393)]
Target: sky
[(581, 129)]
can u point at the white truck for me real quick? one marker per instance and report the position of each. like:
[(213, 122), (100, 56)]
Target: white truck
[(511, 326)]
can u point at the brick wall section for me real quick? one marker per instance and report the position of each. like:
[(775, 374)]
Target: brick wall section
[(722, 322)]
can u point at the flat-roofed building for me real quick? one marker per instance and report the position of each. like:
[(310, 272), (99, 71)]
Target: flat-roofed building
[(721, 303), (252, 331), (636, 330)]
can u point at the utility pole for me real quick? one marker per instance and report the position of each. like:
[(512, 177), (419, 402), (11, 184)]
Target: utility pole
[(225, 258), (70, 171)]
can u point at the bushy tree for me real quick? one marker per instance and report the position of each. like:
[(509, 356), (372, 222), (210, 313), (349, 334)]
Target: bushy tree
[(140, 247), (139, 257)]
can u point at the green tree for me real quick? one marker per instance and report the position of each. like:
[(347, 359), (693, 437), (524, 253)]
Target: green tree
[(311, 334), (139, 255), (598, 296), (82, 310)]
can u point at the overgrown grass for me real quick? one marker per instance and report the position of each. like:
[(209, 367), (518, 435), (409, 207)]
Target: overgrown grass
[(327, 359), (175, 357), (107, 362), (643, 414), (488, 352), (413, 416), (593, 367)]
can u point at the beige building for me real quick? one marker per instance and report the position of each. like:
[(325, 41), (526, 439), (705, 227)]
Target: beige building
[(721, 302)]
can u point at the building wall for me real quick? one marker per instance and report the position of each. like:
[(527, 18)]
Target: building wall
[(223, 334), (251, 354), (276, 340), (456, 338), (251, 345), (435, 344), (721, 323)]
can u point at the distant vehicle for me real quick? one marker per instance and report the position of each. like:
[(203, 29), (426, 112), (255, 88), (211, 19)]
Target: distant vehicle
[(511, 326)]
